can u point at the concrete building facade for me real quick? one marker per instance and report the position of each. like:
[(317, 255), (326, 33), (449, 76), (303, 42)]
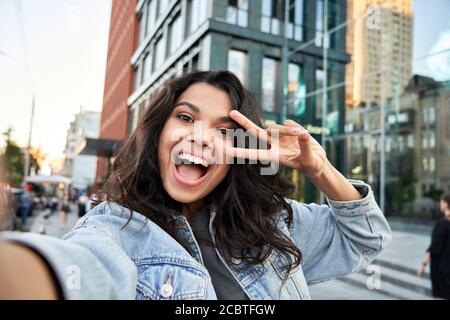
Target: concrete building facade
[(417, 147), (81, 168)]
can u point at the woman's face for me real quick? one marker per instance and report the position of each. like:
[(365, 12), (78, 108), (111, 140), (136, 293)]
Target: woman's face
[(192, 143)]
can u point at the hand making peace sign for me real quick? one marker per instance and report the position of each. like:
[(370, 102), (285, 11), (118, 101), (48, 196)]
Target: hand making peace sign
[(296, 148)]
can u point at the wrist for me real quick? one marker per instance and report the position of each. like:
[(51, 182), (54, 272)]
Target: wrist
[(334, 185), (323, 174)]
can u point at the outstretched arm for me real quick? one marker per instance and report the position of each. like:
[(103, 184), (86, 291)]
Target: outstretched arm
[(24, 274)]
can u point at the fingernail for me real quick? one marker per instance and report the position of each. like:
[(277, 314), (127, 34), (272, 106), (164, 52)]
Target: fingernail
[(304, 136), (296, 130)]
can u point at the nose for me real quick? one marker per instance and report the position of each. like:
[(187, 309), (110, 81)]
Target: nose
[(204, 140)]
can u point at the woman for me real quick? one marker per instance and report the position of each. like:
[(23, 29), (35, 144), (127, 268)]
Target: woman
[(438, 253), (183, 222), (64, 211)]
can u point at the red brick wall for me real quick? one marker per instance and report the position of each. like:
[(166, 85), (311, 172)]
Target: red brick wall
[(119, 74)]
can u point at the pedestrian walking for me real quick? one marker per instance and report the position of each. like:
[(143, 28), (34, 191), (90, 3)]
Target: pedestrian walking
[(82, 204), (64, 211), (24, 207), (438, 253), (185, 220)]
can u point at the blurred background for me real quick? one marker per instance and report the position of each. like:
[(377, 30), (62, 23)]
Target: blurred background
[(370, 79)]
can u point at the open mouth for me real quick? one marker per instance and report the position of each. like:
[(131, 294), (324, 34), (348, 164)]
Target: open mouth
[(190, 170)]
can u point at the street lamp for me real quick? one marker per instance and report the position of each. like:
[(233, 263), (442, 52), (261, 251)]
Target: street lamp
[(26, 168)]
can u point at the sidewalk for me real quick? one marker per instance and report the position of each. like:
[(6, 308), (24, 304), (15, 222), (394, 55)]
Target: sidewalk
[(397, 266), (52, 225)]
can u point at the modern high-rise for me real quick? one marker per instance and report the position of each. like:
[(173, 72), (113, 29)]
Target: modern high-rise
[(245, 37), (380, 42)]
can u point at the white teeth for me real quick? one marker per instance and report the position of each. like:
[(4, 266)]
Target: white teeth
[(193, 159)]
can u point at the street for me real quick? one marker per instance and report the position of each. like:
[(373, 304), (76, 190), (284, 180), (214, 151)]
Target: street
[(391, 276)]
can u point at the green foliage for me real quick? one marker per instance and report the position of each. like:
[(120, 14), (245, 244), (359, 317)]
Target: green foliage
[(14, 159)]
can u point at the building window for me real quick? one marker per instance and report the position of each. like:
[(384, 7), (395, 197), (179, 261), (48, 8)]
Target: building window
[(319, 23), (432, 115), (296, 100), (141, 28), (425, 140), (270, 83), (194, 64), (162, 7), (198, 12), (237, 63), (432, 164), (271, 16), (432, 141), (296, 19), (237, 12), (175, 34), (410, 141), (333, 21), (137, 76), (151, 16), (425, 164), (146, 69), (159, 52), (425, 115), (320, 81), (401, 144)]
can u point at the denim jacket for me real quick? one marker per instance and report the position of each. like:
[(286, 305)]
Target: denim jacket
[(101, 258)]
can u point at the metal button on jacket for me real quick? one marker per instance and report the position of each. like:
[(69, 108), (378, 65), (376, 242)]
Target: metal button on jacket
[(167, 289)]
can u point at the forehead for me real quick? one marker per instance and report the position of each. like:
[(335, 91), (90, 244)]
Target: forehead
[(207, 98)]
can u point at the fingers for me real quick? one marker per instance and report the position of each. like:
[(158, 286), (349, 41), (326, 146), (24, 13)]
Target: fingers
[(250, 154), (303, 134), (283, 130), (247, 124)]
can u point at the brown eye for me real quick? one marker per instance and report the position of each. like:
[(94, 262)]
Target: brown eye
[(185, 118), (223, 131)]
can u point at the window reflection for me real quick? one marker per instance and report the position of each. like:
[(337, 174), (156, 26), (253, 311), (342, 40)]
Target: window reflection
[(237, 63), (237, 12)]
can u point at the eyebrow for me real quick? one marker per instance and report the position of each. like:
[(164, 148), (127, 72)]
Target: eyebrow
[(197, 110)]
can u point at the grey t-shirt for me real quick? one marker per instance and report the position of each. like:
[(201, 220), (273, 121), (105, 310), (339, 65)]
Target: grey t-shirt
[(225, 285)]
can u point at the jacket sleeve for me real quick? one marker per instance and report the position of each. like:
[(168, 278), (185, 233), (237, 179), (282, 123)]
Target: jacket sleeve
[(338, 239), (89, 263)]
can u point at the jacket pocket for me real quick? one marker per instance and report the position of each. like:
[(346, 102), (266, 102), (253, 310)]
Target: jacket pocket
[(171, 278)]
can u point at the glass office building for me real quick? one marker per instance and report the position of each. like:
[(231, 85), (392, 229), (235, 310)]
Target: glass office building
[(247, 38)]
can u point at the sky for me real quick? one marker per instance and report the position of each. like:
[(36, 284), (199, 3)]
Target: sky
[(62, 60), (61, 57)]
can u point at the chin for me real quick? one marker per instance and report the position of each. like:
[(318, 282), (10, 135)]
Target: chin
[(183, 197)]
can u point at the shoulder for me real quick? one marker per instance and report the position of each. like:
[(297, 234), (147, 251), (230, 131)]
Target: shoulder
[(441, 225), (112, 218), (114, 209), (303, 215)]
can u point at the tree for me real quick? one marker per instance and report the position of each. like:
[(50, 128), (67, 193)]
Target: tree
[(14, 160)]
